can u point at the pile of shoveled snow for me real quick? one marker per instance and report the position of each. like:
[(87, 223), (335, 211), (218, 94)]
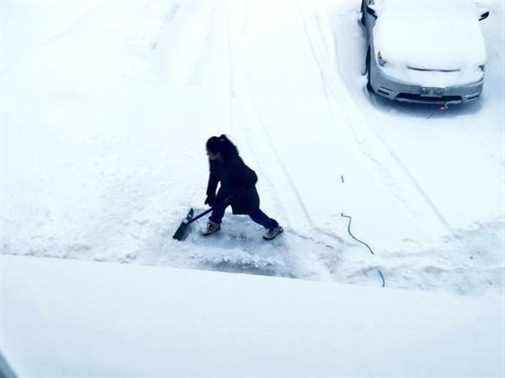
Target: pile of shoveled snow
[(71, 318)]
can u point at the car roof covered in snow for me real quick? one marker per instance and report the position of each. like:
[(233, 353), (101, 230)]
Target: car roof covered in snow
[(430, 33), (449, 6)]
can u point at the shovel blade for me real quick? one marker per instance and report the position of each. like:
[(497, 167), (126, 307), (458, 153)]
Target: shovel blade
[(182, 232), (184, 228)]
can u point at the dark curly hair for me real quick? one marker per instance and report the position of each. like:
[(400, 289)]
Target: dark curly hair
[(222, 145)]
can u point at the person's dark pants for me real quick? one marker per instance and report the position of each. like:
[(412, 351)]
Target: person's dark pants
[(256, 215)]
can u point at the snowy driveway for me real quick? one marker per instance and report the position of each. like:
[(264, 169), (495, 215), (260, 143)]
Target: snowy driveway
[(105, 111)]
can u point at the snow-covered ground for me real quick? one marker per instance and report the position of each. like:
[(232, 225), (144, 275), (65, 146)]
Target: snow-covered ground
[(84, 319), (105, 107)]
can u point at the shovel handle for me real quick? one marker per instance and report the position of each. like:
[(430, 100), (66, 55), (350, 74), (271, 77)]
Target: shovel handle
[(204, 213), (198, 216)]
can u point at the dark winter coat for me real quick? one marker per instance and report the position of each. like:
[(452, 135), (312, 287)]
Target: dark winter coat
[(236, 180)]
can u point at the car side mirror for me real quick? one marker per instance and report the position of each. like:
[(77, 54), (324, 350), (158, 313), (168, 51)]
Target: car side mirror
[(373, 7), (371, 10), (484, 15)]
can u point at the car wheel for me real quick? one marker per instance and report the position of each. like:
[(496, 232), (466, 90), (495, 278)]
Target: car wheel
[(368, 64)]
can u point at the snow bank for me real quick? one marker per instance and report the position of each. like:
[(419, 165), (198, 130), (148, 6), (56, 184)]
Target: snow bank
[(70, 319)]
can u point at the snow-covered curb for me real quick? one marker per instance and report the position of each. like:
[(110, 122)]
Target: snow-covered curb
[(69, 318)]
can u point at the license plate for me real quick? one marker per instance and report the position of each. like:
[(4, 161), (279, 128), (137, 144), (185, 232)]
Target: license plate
[(432, 91)]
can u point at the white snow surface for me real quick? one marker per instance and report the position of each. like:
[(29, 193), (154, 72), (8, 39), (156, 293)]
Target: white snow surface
[(84, 319), (105, 107)]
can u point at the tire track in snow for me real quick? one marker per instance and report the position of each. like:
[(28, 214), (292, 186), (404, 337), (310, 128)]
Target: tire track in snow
[(363, 271), (406, 171), (230, 67), (301, 210), (83, 16), (292, 184), (195, 77), (71, 28), (6, 10), (459, 241), (167, 19), (246, 95), (364, 136), (253, 256), (177, 27), (331, 93), (326, 92)]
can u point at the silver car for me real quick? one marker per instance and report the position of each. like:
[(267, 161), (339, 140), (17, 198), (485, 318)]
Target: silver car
[(425, 51)]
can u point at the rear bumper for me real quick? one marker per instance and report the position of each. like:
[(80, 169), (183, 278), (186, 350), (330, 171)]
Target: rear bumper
[(393, 89)]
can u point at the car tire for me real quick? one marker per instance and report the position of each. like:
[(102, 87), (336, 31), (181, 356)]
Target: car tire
[(368, 76)]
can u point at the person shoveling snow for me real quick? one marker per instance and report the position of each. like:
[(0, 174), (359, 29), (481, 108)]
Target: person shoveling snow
[(237, 188)]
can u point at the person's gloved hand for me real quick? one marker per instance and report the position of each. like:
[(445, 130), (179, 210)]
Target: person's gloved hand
[(210, 200)]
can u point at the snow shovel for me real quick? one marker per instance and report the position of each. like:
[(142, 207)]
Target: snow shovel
[(185, 227)]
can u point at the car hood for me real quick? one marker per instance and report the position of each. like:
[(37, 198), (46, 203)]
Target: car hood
[(430, 34)]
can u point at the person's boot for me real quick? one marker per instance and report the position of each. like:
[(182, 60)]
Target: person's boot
[(272, 233), (212, 228)]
